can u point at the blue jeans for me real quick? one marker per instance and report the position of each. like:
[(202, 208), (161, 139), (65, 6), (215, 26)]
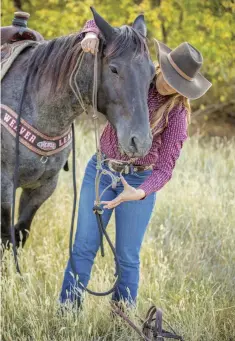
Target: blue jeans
[(132, 219)]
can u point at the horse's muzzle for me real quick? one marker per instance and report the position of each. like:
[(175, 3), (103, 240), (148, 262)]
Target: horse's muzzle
[(138, 146)]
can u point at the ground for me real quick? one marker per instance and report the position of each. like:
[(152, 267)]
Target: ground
[(187, 260)]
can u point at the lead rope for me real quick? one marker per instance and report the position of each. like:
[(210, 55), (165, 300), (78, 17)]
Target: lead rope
[(100, 171), (97, 208)]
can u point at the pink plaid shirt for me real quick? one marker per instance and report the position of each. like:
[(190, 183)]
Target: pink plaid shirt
[(165, 148)]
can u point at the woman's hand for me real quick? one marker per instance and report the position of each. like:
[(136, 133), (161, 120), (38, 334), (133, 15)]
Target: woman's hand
[(129, 193), (90, 43)]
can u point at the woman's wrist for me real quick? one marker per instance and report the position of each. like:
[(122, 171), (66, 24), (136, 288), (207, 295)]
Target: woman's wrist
[(141, 193), (91, 35)]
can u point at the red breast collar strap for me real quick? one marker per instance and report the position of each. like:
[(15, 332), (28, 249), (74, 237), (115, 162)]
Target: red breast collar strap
[(30, 137)]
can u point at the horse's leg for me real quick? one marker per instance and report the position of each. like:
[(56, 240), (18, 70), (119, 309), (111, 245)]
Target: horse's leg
[(30, 201), (6, 199)]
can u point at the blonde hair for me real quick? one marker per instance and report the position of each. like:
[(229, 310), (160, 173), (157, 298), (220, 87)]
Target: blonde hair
[(164, 110)]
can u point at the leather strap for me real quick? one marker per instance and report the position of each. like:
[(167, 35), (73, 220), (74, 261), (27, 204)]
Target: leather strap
[(156, 330), (148, 332), (118, 311), (33, 139), (127, 168), (147, 329)]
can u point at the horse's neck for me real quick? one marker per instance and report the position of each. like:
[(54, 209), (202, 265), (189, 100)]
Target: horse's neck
[(55, 115)]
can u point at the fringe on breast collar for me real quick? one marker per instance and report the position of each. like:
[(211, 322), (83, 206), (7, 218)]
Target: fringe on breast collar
[(31, 138)]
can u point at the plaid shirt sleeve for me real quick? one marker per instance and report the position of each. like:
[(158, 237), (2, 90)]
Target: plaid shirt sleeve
[(173, 138), (90, 26)]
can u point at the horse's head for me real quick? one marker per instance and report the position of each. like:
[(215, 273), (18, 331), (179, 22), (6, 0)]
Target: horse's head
[(125, 77)]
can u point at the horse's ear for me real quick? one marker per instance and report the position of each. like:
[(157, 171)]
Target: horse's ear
[(106, 29), (139, 25)]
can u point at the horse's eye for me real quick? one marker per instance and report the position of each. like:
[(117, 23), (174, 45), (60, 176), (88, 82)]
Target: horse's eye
[(113, 69)]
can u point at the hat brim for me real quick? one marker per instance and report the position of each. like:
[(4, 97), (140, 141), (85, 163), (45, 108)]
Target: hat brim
[(191, 89)]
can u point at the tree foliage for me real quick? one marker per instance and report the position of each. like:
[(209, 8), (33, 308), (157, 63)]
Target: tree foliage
[(208, 25)]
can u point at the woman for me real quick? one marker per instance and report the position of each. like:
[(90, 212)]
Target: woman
[(177, 80)]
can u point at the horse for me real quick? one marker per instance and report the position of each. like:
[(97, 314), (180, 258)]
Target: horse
[(49, 105)]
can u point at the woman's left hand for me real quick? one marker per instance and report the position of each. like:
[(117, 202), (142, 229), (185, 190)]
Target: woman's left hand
[(129, 193)]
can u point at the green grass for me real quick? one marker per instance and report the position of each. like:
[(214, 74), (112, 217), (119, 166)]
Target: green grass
[(187, 259)]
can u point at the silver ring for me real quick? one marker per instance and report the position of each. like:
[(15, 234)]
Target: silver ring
[(44, 159)]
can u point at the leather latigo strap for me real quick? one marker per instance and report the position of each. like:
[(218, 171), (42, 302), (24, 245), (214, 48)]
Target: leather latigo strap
[(31, 138)]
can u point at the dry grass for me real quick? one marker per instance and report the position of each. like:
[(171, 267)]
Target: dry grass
[(188, 258)]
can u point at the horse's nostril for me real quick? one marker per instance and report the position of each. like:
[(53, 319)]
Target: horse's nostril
[(139, 145), (134, 143)]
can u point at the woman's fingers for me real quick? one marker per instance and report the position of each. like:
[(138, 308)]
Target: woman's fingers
[(84, 46), (87, 47), (94, 43), (126, 195), (90, 44), (118, 198), (112, 206), (113, 203)]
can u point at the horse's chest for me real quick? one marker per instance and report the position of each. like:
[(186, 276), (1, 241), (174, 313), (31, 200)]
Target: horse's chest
[(35, 173)]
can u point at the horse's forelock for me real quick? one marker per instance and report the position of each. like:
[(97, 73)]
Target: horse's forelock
[(124, 40)]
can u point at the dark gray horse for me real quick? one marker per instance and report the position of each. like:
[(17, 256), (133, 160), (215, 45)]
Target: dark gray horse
[(125, 73)]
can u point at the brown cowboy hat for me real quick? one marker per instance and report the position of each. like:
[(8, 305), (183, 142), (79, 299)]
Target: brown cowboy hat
[(180, 68)]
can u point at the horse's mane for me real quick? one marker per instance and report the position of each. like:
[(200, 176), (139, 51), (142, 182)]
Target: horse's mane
[(56, 59)]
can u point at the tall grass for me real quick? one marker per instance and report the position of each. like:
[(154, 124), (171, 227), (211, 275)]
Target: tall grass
[(187, 259)]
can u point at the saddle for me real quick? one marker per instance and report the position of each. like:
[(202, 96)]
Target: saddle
[(16, 38), (18, 30)]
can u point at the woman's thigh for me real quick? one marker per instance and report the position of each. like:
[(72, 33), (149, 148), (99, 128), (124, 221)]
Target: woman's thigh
[(132, 219)]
